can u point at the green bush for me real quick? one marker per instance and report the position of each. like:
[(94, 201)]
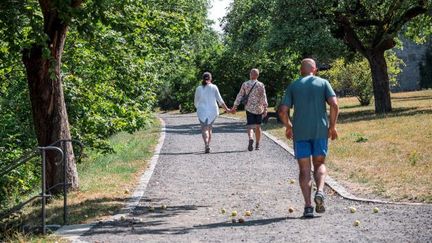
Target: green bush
[(354, 78)]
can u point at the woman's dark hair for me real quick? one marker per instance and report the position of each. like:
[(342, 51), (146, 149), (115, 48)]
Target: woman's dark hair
[(205, 78)]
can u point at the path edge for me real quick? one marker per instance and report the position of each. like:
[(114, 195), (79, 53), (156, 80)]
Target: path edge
[(74, 232), (330, 182)]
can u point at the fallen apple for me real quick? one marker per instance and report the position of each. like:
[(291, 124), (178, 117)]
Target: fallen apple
[(357, 223), (352, 209), (164, 206), (234, 213), (375, 210), (291, 181), (223, 211), (290, 210), (248, 213)]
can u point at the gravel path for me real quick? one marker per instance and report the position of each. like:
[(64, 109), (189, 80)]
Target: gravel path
[(195, 186)]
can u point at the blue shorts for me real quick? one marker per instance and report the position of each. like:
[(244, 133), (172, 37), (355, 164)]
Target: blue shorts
[(313, 147)]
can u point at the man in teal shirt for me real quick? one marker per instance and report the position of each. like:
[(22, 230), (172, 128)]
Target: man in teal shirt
[(310, 129)]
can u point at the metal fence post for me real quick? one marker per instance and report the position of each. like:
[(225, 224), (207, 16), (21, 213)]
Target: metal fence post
[(43, 190), (64, 147)]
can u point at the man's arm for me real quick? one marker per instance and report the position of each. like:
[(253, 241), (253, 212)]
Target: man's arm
[(264, 101), (284, 116), (334, 112)]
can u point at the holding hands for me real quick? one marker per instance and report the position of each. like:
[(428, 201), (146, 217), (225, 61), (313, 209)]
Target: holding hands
[(230, 111)]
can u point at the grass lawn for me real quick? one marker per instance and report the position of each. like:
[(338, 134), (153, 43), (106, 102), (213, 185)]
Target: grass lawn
[(106, 181), (384, 155)]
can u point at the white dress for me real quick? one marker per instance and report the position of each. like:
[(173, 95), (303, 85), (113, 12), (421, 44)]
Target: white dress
[(207, 101)]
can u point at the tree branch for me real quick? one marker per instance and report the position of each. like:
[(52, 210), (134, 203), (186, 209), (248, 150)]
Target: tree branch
[(407, 16), (368, 22), (349, 36)]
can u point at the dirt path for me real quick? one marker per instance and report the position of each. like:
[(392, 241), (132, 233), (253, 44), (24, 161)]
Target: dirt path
[(195, 186)]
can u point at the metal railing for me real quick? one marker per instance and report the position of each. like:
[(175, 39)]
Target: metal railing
[(60, 147)]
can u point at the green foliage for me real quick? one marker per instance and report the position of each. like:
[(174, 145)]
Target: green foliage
[(247, 33), (354, 78), (118, 57), (328, 29)]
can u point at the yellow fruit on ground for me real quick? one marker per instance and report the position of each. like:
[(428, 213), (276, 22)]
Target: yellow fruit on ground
[(375, 210), (357, 223), (248, 213), (353, 209), (234, 213)]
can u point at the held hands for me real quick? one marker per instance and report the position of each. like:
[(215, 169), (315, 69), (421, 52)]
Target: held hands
[(332, 133), (230, 111), (233, 110)]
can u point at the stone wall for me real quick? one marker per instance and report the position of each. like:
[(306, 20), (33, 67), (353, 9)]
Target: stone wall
[(412, 55)]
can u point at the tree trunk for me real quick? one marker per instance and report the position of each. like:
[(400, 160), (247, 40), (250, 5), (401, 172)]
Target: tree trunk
[(47, 99), (380, 80)]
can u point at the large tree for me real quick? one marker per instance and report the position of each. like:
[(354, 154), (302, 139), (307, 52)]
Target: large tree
[(103, 78), (366, 26), (41, 28)]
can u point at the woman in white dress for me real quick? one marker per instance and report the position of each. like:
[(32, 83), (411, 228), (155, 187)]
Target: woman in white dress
[(207, 101)]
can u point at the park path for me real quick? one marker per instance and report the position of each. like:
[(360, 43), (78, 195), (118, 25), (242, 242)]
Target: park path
[(195, 186)]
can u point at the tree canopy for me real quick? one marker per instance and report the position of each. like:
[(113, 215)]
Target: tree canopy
[(118, 56)]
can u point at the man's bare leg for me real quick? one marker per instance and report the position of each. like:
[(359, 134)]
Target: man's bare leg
[(305, 180), (250, 132), (251, 137), (320, 172), (258, 134)]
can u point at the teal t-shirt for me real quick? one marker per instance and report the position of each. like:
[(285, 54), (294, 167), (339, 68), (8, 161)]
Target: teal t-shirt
[(308, 96)]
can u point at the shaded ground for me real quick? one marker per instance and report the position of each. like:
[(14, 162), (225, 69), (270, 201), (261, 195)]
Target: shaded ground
[(195, 186)]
